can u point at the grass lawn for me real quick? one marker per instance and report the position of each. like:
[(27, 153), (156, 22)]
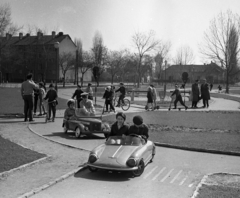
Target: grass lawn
[(13, 155)]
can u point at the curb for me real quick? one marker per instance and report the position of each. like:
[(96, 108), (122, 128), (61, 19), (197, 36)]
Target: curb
[(51, 183), (232, 153)]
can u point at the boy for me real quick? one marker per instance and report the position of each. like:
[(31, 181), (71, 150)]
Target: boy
[(138, 128), (41, 97), (69, 113), (87, 103), (178, 97), (77, 94), (52, 101), (122, 91)]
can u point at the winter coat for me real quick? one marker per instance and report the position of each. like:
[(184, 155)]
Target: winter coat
[(195, 92), (205, 94)]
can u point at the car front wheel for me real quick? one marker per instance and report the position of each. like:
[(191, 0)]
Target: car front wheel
[(78, 132), (139, 171)]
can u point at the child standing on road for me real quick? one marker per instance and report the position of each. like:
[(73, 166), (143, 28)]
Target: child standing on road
[(52, 101), (41, 98), (108, 95), (178, 97)]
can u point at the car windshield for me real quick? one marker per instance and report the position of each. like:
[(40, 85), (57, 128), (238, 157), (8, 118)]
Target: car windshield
[(127, 140)]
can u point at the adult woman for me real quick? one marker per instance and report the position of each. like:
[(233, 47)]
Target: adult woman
[(119, 128)]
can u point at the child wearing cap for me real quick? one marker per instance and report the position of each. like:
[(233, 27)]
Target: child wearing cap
[(138, 127), (108, 95), (88, 104), (119, 128), (89, 91)]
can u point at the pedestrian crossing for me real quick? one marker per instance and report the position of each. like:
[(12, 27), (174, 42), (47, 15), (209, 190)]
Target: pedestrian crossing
[(171, 176)]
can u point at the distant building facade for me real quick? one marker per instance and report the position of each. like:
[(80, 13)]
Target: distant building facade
[(211, 72), (37, 54)]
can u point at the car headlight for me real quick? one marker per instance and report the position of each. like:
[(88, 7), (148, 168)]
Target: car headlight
[(86, 128), (131, 162), (92, 158)]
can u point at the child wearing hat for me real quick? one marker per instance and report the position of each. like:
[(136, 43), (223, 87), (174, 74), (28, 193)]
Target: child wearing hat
[(119, 128), (89, 91), (88, 104), (138, 127)]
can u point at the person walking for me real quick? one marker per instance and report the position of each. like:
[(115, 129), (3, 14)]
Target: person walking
[(89, 91), (195, 94), (41, 98), (205, 94), (27, 92), (149, 99), (154, 91), (77, 94), (52, 102), (108, 96), (36, 95), (178, 97)]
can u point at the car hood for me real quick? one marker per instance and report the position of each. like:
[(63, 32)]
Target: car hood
[(115, 155)]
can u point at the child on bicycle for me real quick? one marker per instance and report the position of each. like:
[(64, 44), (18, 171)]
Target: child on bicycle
[(122, 91), (108, 96), (52, 101)]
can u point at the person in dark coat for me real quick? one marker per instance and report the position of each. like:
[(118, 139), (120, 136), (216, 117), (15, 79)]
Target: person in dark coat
[(178, 97), (77, 94), (205, 94), (122, 91), (119, 128), (108, 96), (138, 128), (150, 98), (195, 94)]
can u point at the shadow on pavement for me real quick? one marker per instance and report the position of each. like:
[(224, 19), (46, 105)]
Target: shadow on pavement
[(71, 135)]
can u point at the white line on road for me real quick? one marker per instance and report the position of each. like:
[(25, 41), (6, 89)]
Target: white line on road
[(184, 179), (167, 175), (176, 176), (190, 185), (145, 176), (159, 173)]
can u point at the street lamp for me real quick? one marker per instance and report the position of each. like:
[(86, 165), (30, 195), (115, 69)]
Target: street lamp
[(56, 46), (165, 85), (76, 68)]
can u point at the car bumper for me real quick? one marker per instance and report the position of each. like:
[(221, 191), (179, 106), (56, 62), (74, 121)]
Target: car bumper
[(113, 168)]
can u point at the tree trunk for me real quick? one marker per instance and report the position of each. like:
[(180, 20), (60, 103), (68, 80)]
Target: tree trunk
[(227, 82), (112, 79), (64, 80)]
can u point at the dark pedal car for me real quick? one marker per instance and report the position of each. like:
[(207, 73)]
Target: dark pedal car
[(86, 125), (129, 153)]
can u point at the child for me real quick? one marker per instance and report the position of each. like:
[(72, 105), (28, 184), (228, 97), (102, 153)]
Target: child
[(41, 97), (108, 95), (52, 101), (149, 98), (69, 113), (138, 128), (178, 98)]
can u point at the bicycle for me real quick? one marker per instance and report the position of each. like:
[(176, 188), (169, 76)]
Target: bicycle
[(125, 105)]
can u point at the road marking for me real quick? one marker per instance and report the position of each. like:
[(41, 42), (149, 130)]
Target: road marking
[(190, 185), (184, 179), (167, 175), (159, 173), (145, 176), (176, 176), (116, 151)]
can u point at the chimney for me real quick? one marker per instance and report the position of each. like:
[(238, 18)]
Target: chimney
[(28, 34), (20, 35), (53, 34), (60, 33), (39, 35)]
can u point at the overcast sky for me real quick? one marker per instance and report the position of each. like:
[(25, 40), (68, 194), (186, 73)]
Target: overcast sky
[(182, 22)]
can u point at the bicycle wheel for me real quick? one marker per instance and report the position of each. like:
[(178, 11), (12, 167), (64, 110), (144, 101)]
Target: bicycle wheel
[(114, 101), (126, 104)]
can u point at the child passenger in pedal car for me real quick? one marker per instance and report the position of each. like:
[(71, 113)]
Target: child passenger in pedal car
[(138, 128), (69, 113)]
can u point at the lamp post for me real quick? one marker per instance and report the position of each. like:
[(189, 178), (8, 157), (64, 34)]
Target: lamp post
[(56, 46), (76, 68)]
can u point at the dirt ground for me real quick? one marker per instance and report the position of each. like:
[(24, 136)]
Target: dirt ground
[(63, 160)]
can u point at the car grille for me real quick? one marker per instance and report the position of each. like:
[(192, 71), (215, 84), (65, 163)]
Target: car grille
[(95, 126)]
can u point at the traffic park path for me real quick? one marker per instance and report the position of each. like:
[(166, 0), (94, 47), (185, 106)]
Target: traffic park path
[(173, 172)]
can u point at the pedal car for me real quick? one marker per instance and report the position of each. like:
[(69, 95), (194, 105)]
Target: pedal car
[(84, 123), (128, 153)]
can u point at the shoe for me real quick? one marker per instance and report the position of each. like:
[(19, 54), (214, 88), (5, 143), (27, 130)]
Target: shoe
[(31, 120), (25, 120), (186, 107), (44, 113), (117, 106), (203, 106), (40, 114), (174, 108), (34, 114)]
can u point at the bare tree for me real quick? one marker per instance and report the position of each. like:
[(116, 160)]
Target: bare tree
[(6, 24), (144, 43), (162, 54), (100, 56), (85, 59), (184, 56), (221, 43), (66, 61)]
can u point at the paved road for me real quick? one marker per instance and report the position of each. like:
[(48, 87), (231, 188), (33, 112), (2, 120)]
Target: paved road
[(173, 174)]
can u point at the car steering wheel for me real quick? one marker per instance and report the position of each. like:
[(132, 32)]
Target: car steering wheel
[(135, 135)]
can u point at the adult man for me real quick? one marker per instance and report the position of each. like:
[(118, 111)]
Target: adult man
[(27, 92), (195, 94), (122, 91), (205, 94), (89, 91), (88, 104), (77, 94)]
